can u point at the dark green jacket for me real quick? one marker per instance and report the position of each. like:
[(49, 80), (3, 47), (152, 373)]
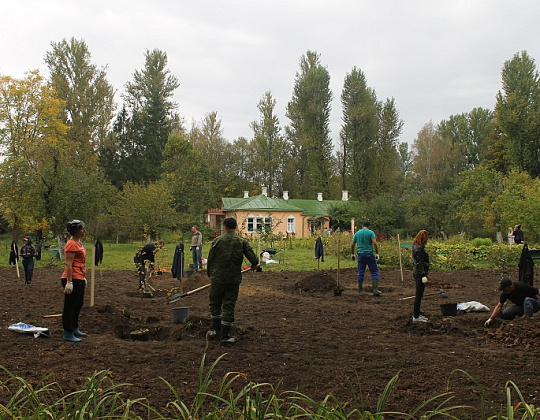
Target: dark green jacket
[(226, 256)]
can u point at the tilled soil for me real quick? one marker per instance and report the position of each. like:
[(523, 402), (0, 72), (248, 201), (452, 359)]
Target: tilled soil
[(293, 327)]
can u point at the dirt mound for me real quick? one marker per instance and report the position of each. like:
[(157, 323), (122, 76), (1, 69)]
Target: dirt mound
[(316, 282), (521, 332)]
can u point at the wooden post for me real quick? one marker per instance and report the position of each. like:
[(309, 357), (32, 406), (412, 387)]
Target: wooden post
[(338, 258), (17, 267), (399, 253), (92, 276)]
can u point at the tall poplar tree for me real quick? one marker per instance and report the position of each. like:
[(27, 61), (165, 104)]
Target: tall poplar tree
[(518, 113), (88, 96), (309, 114), (269, 147)]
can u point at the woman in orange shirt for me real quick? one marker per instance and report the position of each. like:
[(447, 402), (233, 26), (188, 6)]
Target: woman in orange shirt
[(74, 281)]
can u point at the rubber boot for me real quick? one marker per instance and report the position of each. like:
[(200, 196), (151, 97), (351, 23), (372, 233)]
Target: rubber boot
[(376, 290), (68, 336), (226, 339), (79, 333), (215, 332), (360, 288)]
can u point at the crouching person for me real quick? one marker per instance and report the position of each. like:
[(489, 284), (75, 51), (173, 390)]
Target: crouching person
[(224, 267), (524, 297)]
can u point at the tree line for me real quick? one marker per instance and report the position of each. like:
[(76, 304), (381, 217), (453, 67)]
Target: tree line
[(137, 169)]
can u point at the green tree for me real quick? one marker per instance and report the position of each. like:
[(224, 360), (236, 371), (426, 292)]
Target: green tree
[(144, 211), (518, 113), (358, 134), (269, 148), (53, 182), (187, 175), (519, 203), (476, 191), (88, 96), (143, 131), (309, 114)]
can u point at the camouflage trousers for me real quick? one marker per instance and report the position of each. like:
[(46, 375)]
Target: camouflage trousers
[(223, 301)]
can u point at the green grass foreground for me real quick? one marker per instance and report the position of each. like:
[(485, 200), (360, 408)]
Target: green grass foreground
[(101, 398)]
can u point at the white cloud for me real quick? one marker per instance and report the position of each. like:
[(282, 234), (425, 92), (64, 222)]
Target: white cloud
[(436, 58)]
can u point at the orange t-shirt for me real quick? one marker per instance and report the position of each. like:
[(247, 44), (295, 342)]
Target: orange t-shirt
[(79, 262)]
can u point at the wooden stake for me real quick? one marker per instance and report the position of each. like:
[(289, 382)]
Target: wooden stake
[(17, 267), (338, 258), (92, 277), (399, 252)]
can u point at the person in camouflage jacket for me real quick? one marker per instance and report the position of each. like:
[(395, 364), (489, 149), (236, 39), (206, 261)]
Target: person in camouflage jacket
[(224, 267)]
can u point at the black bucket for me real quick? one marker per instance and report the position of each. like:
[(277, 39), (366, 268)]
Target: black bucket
[(449, 309)]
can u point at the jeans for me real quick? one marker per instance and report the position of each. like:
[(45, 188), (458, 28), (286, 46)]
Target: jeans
[(196, 254), (28, 270), (530, 306), (363, 260)]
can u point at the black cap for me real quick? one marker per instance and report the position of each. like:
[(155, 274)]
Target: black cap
[(230, 222), (504, 284)]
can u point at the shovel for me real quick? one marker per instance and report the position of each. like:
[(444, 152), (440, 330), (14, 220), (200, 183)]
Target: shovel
[(177, 296), (441, 292)]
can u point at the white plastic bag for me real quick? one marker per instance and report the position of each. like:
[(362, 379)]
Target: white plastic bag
[(472, 306), (21, 327)]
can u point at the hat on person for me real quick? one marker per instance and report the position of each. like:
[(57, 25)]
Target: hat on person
[(230, 222), (504, 284), (26, 238)]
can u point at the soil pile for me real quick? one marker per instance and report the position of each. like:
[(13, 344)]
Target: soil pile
[(317, 282), (521, 332)]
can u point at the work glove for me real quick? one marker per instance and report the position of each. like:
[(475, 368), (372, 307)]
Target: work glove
[(424, 279), (487, 323), (353, 257), (197, 248), (377, 257), (69, 288)]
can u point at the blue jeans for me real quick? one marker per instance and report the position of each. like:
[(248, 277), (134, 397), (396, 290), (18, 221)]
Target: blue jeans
[(530, 306), (363, 260), (196, 254), (28, 270)]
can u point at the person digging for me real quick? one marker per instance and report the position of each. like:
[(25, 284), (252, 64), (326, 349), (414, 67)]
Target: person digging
[(524, 297), (367, 255), (224, 267)]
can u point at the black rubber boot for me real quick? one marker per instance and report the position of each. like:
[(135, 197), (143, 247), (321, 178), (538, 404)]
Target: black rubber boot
[(215, 332), (226, 338)]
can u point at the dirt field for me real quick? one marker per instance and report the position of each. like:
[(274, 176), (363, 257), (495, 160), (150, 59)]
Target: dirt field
[(291, 328)]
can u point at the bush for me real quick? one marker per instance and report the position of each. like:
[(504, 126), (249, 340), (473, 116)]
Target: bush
[(478, 242)]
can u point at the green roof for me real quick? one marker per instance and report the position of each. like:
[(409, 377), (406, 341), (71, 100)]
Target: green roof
[(262, 202)]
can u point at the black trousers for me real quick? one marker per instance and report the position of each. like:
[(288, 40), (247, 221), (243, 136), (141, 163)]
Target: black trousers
[(73, 304), (418, 295)]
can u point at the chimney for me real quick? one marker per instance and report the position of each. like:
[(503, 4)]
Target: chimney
[(246, 194), (344, 195), (319, 196), (285, 195), (264, 192)]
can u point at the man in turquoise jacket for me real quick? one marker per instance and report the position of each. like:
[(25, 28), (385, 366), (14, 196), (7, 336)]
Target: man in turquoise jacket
[(367, 255)]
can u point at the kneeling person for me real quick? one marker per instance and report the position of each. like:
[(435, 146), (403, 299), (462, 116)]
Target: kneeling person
[(524, 297)]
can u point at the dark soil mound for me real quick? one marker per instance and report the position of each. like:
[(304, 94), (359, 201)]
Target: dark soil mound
[(317, 282)]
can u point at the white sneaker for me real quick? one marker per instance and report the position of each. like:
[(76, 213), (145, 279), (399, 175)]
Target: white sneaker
[(420, 318)]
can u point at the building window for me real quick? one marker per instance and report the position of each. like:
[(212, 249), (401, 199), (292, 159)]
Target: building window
[(259, 224), (291, 226)]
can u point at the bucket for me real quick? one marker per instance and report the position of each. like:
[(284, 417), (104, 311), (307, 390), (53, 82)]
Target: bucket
[(180, 314), (449, 309)]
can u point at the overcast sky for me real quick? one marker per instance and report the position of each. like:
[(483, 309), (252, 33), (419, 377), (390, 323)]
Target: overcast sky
[(436, 58)]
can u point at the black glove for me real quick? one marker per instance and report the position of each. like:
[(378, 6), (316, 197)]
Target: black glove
[(353, 257)]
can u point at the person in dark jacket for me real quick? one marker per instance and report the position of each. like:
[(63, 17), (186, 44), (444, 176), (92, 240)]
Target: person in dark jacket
[(420, 272), (518, 235), (524, 297), (28, 252), (224, 267)]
